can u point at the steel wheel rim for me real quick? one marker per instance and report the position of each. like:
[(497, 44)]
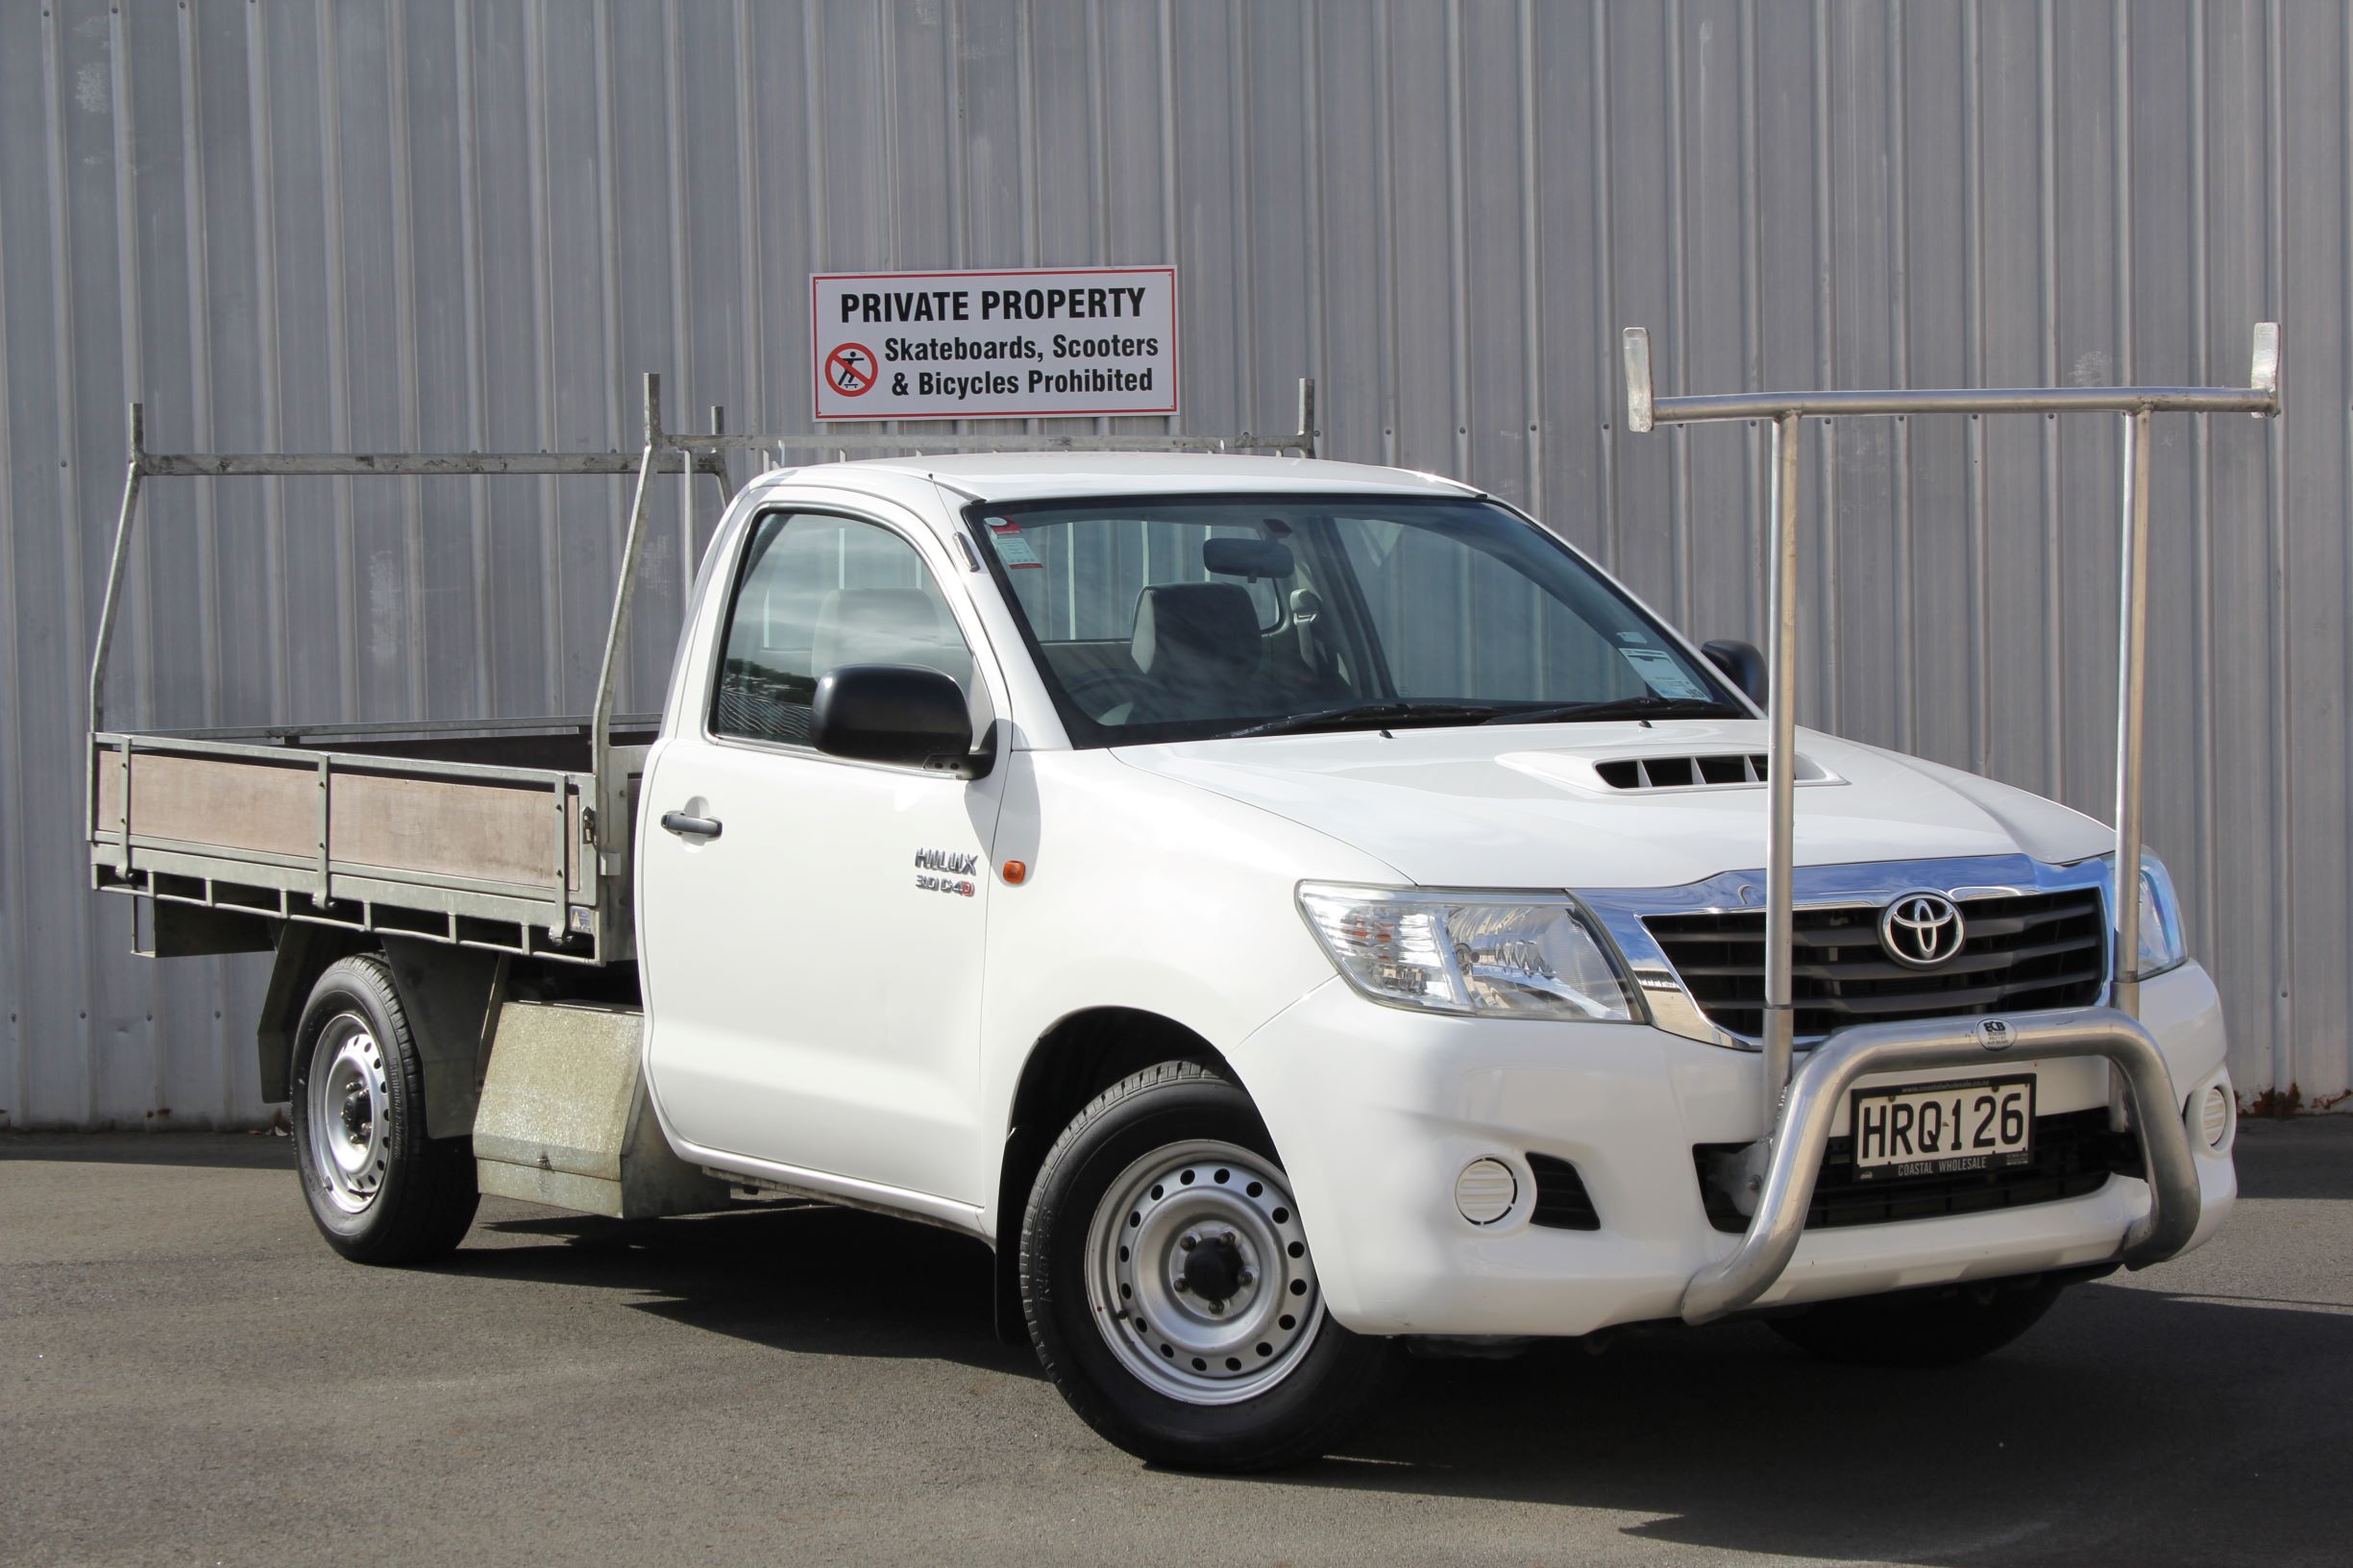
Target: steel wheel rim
[(350, 1112), (1156, 1298)]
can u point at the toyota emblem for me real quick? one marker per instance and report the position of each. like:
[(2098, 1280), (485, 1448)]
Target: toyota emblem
[(1921, 930)]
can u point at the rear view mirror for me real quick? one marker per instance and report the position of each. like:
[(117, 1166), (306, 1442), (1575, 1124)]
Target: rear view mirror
[(1743, 664), (1251, 558), (895, 713)]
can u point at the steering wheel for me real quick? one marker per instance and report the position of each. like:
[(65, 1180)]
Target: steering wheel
[(1099, 691)]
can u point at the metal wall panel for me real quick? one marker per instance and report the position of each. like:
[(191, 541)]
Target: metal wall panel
[(461, 222)]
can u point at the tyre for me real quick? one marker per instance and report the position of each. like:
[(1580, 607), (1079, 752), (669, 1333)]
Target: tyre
[(1939, 1326), (1170, 1290), (380, 1190)]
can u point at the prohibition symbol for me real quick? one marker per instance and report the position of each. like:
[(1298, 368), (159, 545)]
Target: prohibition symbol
[(851, 369)]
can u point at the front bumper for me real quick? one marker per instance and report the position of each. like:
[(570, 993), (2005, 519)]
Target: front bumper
[(1376, 1109)]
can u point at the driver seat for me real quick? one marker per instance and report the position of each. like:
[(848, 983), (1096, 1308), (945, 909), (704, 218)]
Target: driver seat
[(1198, 647)]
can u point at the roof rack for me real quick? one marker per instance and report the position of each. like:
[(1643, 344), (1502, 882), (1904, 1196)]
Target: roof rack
[(1302, 439), (683, 453)]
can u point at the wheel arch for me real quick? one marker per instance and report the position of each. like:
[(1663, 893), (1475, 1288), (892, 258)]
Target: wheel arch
[(303, 951), (445, 993), (1083, 1054)]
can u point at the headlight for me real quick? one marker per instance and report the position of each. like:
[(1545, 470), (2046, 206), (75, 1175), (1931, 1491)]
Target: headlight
[(2161, 918), (2161, 940), (1496, 954)]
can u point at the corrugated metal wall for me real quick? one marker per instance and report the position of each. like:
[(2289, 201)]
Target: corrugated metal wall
[(453, 223)]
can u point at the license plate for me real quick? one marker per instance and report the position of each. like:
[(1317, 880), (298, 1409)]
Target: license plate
[(1935, 1128)]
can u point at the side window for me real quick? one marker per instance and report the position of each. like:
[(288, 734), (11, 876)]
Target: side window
[(815, 591)]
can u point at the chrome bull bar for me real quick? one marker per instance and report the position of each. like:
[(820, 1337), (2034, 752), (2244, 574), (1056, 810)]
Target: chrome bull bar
[(1794, 1153)]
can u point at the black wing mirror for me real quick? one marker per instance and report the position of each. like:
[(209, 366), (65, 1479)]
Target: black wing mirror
[(1743, 664), (896, 713)]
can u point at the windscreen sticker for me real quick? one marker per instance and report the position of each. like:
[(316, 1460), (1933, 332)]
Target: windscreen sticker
[(1661, 673), (1011, 547)]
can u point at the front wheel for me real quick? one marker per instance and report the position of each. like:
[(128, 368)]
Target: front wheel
[(1170, 1289), (380, 1190), (1937, 1326)]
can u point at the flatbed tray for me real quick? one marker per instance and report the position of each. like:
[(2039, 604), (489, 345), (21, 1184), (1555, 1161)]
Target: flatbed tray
[(479, 834)]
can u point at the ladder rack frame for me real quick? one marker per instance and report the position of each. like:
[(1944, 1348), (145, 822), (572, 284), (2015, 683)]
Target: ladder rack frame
[(1797, 1115)]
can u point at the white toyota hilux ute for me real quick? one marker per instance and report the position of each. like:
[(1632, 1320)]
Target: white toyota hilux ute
[(1292, 911)]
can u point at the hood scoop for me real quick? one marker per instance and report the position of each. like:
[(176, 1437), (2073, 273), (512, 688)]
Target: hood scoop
[(1651, 775)]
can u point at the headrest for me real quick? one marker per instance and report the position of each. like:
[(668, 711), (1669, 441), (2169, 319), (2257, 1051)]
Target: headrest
[(1181, 625), (875, 626)]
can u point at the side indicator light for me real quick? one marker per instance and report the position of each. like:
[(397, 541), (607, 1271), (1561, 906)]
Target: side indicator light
[(1015, 873)]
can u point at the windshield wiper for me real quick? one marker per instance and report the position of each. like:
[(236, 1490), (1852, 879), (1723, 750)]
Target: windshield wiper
[(1621, 707), (1363, 715), (1360, 713)]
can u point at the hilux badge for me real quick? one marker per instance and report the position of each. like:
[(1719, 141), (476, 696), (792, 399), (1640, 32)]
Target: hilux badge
[(945, 871)]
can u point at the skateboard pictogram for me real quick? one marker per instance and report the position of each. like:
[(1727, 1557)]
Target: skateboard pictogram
[(851, 369)]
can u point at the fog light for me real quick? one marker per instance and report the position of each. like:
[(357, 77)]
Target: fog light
[(2213, 1115), (1485, 1192)]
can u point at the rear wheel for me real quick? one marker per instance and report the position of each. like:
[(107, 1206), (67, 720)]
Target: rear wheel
[(380, 1190), (1940, 1327), (1170, 1289)]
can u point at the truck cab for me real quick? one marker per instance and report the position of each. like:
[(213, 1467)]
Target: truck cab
[(1290, 910), (1398, 841)]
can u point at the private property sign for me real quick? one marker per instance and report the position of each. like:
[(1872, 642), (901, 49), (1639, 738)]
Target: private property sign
[(993, 345)]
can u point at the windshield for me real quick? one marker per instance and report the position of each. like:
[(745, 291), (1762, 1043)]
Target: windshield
[(1176, 618)]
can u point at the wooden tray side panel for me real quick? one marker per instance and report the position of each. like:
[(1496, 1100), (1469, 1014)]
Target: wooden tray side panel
[(258, 806), (483, 832)]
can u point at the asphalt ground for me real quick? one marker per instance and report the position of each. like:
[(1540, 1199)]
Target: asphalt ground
[(188, 1376)]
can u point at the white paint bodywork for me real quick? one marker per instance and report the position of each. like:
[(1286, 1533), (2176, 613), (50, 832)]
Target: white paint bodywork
[(814, 1019)]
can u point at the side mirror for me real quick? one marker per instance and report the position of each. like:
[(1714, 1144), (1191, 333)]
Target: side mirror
[(1743, 664), (895, 713)]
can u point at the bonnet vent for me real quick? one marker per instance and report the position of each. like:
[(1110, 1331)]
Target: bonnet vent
[(1684, 773), (1669, 771)]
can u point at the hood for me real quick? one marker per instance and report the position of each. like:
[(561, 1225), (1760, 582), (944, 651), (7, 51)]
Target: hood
[(1527, 806)]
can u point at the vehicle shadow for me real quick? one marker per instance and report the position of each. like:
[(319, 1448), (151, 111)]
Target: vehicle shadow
[(2309, 1157), (2131, 1427), (802, 1277)]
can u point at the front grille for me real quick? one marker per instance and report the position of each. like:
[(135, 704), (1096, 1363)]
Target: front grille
[(1562, 1203), (2033, 950), (2074, 1153)]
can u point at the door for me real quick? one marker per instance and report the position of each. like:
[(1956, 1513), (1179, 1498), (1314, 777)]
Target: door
[(811, 940)]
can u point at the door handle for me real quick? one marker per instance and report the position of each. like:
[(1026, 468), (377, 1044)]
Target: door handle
[(690, 827)]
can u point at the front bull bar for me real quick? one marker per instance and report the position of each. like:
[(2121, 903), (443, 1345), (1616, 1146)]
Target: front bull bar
[(1833, 1066), (1797, 1110)]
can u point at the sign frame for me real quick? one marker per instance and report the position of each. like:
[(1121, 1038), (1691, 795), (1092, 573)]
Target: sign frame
[(968, 275)]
